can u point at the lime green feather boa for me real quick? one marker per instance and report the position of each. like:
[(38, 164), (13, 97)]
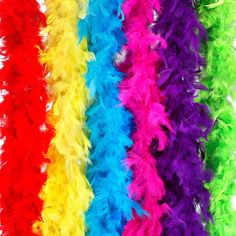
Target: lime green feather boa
[(219, 18)]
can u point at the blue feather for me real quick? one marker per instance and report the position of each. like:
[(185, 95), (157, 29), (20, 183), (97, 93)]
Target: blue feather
[(108, 121)]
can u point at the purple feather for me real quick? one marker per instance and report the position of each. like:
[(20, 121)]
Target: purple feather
[(181, 165)]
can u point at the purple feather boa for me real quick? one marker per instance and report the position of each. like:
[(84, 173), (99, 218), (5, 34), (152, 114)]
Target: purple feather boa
[(180, 165)]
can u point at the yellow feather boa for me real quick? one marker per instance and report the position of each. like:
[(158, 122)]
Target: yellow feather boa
[(67, 193)]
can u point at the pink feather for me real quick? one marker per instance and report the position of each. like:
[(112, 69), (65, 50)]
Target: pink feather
[(140, 94)]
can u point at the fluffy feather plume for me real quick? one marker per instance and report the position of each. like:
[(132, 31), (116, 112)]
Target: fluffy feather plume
[(24, 128), (67, 193), (108, 122), (220, 77), (140, 94), (180, 165)]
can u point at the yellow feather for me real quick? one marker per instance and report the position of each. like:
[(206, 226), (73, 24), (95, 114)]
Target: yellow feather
[(67, 193)]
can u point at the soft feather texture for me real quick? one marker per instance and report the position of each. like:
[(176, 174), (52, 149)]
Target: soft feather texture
[(67, 193), (24, 128), (180, 165), (140, 94), (220, 78), (108, 122)]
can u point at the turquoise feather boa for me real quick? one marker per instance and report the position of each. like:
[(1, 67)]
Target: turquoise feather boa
[(108, 122)]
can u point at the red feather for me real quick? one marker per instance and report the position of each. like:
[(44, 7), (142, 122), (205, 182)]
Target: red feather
[(23, 117)]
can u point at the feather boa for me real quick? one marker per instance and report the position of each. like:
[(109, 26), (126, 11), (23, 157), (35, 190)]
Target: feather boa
[(67, 194), (23, 117), (220, 78), (108, 121), (140, 94), (180, 165)]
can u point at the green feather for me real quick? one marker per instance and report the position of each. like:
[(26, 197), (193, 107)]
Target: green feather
[(219, 18)]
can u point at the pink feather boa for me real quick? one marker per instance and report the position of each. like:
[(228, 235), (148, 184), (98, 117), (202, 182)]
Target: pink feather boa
[(140, 95)]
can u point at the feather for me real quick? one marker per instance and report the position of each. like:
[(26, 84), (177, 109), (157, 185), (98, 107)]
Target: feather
[(220, 77), (108, 122), (24, 128), (141, 95), (180, 164), (67, 193)]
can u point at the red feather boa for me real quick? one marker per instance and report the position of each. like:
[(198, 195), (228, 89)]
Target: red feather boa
[(23, 117)]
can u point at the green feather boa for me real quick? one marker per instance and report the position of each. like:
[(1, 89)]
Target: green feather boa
[(219, 18)]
